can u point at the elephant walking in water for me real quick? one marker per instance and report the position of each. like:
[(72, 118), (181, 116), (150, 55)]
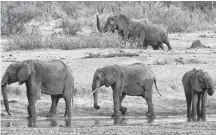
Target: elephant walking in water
[(197, 84), (49, 77), (145, 32), (133, 80)]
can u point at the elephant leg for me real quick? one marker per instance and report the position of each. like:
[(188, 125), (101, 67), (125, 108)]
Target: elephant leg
[(122, 109), (148, 97), (188, 96), (194, 104), (203, 110), (141, 43), (168, 44), (160, 45), (116, 102), (53, 107), (67, 99), (198, 105), (32, 98), (145, 45)]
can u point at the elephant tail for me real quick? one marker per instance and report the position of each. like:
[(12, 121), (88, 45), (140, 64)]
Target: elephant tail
[(156, 87)]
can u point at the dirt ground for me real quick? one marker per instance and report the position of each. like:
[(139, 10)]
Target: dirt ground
[(168, 67)]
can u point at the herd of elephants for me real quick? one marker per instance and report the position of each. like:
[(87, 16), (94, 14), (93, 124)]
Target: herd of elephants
[(55, 78)]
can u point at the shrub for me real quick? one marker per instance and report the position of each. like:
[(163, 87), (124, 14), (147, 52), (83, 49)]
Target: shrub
[(133, 12), (25, 41), (70, 8), (14, 16), (71, 27), (92, 41)]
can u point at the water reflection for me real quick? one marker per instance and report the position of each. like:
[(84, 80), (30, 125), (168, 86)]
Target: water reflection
[(90, 121), (150, 119), (52, 122), (119, 120), (196, 119), (32, 123)]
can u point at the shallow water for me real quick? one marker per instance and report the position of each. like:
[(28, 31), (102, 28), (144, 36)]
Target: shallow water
[(93, 121)]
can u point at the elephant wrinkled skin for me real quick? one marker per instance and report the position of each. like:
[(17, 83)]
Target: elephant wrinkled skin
[(49, 77), (129, 28), (134, 80), (197, 84)]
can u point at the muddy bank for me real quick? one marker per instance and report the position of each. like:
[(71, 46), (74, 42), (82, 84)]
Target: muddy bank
[(193, 128)]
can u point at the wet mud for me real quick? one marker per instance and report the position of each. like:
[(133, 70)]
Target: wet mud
[(97, 121)]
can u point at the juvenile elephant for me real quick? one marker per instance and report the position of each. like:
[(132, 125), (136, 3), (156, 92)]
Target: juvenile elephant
[(49, 77), (145, 32), (197, 84), (134, 80)]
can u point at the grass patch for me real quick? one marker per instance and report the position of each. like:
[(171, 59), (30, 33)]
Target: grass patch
[(35, 41)]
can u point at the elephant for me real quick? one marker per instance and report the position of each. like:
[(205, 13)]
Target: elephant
[(53, 78), (134, 80), (197, 84), (145, 32)]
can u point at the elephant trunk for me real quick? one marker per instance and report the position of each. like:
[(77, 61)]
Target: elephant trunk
[(4, 83), (95, 85), (98, 25), (211, 89)]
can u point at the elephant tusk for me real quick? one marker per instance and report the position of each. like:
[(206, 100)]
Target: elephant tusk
[(94, 91)]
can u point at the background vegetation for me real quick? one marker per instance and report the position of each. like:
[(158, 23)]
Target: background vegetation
[(71, 25)]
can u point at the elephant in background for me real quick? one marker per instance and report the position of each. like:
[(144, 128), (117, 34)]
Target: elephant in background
[(126, 27), (133, 80), (197, 84), (49, 77)]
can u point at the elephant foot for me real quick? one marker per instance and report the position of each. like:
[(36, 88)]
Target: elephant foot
[(96, 107), (194, 119), (123, 110), (189, 119), (115, 115), (203, 117), (150, 114)]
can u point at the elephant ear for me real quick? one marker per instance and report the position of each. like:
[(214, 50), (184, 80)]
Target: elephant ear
[(122, 22), (23, 72), (195, 84)]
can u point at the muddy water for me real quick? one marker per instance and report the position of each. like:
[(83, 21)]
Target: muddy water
[(93, 121)]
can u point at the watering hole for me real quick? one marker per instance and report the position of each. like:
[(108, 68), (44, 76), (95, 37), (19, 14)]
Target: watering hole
[(96, 121)]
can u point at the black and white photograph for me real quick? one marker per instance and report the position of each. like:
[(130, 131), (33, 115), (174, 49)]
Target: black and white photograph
[(108, 67)]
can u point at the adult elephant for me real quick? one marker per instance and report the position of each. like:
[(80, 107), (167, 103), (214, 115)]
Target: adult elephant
[(49, 77), (134, 80), (145, 32), (197, 84)]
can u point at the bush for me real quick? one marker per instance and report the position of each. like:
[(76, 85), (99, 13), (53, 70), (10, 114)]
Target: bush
[(133, 12), (15, 15), (93, 41), (71, 27), (29, 41), (25, 41), (177, 20)]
